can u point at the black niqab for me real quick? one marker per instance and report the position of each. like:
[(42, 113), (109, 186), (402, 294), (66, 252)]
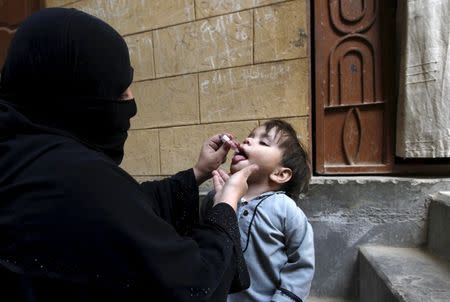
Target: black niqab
[(66, 70)]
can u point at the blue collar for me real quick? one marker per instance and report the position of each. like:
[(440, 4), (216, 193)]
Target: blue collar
[(265, 194)]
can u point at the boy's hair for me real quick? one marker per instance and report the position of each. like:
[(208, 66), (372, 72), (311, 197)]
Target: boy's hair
[(294, 157)]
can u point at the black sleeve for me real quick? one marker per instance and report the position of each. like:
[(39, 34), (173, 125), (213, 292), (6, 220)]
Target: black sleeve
[(206, 203), (175, 199), (240, 280), (116, 234)]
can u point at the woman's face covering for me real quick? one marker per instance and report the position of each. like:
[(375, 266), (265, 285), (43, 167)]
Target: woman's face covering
[(71, 71)]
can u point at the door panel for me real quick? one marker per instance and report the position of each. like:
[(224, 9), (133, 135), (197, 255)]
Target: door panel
[(12, 13), (353, 93)]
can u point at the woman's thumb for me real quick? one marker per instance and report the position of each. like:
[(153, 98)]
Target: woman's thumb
[(223, 150), (247, 171)]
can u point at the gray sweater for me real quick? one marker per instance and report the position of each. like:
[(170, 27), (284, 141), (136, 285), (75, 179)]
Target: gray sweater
[(278, 245)]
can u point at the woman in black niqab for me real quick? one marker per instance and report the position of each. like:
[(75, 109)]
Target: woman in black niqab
[(67, 70), (74, 226)]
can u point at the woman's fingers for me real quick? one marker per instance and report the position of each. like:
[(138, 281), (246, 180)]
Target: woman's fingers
[(247, 171), (224, 175), (214, 142), (218, 182), (220, 176)]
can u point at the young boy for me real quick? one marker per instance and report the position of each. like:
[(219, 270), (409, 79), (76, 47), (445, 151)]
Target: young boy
[(276, 237)]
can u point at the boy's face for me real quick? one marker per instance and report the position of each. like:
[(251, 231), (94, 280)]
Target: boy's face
[(261, 148)]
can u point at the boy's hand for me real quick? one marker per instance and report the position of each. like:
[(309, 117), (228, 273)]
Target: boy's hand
[(230, 189), (212, 155)]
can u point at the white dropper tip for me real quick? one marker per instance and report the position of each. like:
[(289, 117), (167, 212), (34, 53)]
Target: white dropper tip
[(225, 139)]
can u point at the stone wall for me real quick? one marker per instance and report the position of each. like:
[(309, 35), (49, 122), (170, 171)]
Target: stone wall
[(207, 66)]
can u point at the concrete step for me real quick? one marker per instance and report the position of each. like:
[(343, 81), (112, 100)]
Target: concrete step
[(389, 274), (439, 225)]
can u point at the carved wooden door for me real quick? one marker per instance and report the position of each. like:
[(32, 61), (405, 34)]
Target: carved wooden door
[(354, 66), (12, 13)]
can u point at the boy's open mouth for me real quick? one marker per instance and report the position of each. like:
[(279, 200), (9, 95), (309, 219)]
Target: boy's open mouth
[(239, 156)]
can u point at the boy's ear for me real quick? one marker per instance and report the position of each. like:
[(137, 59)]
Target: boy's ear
[(281, 175)]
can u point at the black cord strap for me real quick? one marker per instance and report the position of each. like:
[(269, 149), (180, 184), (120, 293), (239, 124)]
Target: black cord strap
[(290, 295), (253, 217)]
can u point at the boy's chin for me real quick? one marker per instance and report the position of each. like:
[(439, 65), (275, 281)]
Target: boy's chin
[(236, 168)]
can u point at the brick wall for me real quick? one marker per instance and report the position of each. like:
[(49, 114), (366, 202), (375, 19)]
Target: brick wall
[(207, 66)]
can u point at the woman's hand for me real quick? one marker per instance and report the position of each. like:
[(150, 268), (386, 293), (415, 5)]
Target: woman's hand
[(230, 189), (212, 155)]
